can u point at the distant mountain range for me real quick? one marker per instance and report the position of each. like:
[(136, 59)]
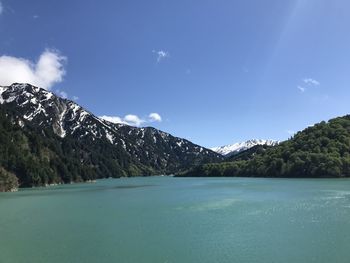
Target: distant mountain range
[(319, 151), (232, 149), (96, 148), (45, 139)]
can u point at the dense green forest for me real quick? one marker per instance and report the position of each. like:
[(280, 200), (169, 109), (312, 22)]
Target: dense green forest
[(8, 181), (45, 139), (248, 154), (31, 155), (322, 150), (39, 157)]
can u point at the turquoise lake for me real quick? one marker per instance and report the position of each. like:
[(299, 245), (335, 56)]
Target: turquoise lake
[(166, 219)]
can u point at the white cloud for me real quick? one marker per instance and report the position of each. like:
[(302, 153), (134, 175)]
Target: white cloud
[(132, 119), (75, 98), (154, 117), (48, 70), (113, 119), (161, 54), (308, 83), (1, 8), (302, 89), (129, 119), (312, 82)]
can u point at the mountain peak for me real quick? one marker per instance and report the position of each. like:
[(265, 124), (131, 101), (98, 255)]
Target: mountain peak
[(144, 148), (231, 149)]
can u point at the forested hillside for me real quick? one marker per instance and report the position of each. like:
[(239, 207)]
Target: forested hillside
[(38, 156), (45, 139), (322, 150)]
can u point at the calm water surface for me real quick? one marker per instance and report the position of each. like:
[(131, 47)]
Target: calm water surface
[(165, 219)]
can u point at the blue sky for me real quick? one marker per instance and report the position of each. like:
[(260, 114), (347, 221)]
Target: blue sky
[(216, 72)]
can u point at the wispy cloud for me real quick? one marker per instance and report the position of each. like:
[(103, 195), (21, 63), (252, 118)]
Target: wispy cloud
[(47, 71), (302, 89), (1, 8), (308, 83), (161, 55), (312, 82), (133, 120)]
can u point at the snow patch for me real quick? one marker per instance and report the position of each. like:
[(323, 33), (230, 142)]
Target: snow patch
[(242, 146)]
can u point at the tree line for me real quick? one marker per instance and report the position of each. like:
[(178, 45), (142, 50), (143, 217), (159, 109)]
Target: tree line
[(322, 150)]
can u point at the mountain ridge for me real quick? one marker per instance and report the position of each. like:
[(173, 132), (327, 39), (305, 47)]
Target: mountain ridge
[(232, 149), (121, 150)]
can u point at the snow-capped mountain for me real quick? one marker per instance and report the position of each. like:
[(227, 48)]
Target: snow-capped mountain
[(229, 150), (142, 147)]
